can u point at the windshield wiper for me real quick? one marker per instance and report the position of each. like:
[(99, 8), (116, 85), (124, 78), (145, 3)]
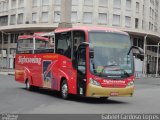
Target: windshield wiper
[(125, 72)]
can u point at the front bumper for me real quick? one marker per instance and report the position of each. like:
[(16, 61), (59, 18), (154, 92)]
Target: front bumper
[(97, 91)]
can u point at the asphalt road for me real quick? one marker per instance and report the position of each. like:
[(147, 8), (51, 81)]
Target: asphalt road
[(14, 98)]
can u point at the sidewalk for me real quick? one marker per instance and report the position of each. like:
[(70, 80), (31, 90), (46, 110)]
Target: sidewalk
[(7, 72)]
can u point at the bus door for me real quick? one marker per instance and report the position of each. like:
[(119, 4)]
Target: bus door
[(80, 54)]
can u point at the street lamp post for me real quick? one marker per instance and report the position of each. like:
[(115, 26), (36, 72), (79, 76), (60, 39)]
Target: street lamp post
[(144, 63), (2, 51), (157, 65)]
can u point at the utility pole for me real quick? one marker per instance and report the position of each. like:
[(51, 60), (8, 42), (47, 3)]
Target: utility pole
[(157, 65), (144, 63), (2, 51), (66, 8)]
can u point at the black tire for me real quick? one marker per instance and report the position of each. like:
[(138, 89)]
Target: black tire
[(104, 98), (64, 90)]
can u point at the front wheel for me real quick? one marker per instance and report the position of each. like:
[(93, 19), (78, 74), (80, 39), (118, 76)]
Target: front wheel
[(64, 90), (28, 86), (103, 98)]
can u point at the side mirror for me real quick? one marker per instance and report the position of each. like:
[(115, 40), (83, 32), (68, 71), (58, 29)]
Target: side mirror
[(75, 59), (137, 51), (91, 53)]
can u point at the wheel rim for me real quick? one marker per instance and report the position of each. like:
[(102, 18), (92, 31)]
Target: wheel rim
[(64, 90)]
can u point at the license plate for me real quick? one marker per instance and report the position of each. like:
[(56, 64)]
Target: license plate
[(114, 94)]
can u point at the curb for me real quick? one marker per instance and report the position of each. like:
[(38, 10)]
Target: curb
[(11, 74), (6, 73)]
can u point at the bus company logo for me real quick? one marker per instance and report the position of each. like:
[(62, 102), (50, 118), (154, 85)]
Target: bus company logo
[(23, 59)]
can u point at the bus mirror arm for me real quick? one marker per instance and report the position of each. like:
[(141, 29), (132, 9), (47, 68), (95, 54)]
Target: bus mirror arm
[(91, 49), (83, 44), (137, 51), (75, 59)]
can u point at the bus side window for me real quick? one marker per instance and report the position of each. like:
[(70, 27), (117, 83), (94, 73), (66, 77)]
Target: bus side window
[(41, 44), (25, 46), (63, 44)]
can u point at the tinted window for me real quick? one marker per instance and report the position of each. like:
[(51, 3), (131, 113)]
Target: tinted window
[(63, 44), (41, 44)]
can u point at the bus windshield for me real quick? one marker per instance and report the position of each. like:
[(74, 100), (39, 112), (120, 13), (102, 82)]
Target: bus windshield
[(110, 58)]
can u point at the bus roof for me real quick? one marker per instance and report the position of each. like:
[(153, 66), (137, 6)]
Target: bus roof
[(32, 36), (112, 30), (44, 34)]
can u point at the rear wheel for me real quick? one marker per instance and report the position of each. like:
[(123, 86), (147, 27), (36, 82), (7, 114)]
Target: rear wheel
[(64, 90)]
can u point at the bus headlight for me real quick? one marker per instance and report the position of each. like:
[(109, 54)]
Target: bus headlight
[(94, 82), (130, 84)]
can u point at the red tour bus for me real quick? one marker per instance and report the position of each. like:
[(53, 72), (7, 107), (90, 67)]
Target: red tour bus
[(85, 61)]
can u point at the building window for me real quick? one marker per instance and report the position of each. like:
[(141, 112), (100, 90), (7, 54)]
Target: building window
[(12, 51), (44, 17), (103, 3), (13, 4), (34, 17), (74, 17), (5, 39), (152, 2), (57, 2), (20, 18), (102, 18), (128, 21), (3, 20), (34, 3), (87, 17), (57, 16), (150, 25), (136, 22), (88, 2), (116, 20), (14, 38), (128, 4), (155, 28), (143, 24), (75, 2), (143, 10), (5, 6), (117, 3), (1, 6), (21, 3), (13, 20), (45, 2), (150, 12), (137, 7)]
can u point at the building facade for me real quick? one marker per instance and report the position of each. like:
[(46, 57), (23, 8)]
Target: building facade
[(140, 18)]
